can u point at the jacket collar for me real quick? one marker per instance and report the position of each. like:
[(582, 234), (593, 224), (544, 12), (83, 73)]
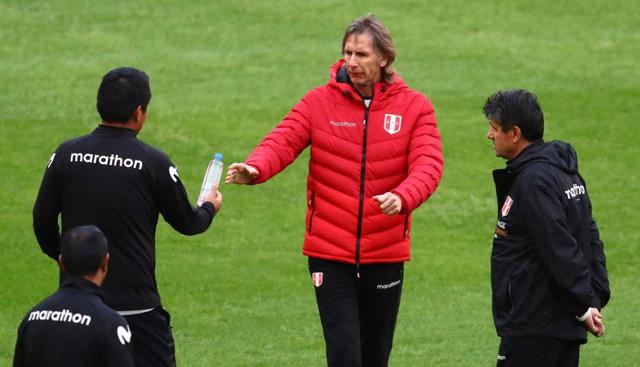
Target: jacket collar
[(103, 129), (525, 152), (80, 285), (339, 78)]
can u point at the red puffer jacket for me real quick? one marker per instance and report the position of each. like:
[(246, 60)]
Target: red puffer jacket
[(356, 153)]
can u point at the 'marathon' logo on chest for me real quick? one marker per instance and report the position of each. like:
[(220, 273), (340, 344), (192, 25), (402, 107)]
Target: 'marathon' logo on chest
[(343, 123)]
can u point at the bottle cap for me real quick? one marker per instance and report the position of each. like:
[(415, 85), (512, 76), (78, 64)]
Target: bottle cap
[(218, 156)]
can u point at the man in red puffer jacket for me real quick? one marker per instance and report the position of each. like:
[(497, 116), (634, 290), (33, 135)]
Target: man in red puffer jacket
[(376, 155)]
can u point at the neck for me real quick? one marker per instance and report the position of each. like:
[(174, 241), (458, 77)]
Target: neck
[(521, 147), (365, 90), (96, 278), (125, 125)]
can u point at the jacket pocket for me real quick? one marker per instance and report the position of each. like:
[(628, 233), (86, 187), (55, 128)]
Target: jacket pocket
[(311, 209), (518, 288), (509, 295), (407, 227)]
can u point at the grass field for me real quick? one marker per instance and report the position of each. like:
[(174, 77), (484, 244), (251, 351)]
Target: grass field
[(223, 73)]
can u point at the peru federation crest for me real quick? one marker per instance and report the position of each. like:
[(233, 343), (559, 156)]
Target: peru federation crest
[(317, 279), (392, 123), (506, 207)]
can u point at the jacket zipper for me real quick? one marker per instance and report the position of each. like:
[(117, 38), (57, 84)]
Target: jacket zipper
[(362, 177)]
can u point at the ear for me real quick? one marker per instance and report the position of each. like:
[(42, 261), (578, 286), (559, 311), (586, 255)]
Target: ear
[(517, 134), (104, 266), (138, 114), (138, 119), (61, 264)]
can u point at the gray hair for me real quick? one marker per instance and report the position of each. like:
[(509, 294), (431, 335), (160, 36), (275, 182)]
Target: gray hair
[(381, 40)]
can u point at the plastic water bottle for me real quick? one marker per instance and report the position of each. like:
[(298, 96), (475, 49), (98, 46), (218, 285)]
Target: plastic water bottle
[(211, 177)]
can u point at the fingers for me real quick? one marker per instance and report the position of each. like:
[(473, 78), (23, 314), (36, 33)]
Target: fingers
[(214, 197), (240, 173), (597, 322), (590, 326), (235, 173), (232, 171), (598, 329), (211, 195), (218, 201), (381, 198), (594, 323), (389, 203)]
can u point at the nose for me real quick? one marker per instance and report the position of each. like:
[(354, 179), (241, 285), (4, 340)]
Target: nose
[(489, 135), (350, 60)]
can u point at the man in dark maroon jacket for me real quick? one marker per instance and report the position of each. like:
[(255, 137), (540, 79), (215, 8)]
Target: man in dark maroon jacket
[(376, 155)]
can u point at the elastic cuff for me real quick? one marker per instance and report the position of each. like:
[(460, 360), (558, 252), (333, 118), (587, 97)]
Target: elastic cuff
[(258, 179), (585, 316), (213, 209), (403, 210)]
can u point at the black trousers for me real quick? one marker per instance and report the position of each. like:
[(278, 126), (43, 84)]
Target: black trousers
[(358, 315), (536, 351), (151, 339)]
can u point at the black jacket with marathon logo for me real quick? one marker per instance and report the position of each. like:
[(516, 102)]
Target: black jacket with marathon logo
[(73, 328), (548, 263), (112, 180)]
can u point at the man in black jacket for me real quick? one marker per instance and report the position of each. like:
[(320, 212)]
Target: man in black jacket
[(548, 271), (113, 180), (73, 327)]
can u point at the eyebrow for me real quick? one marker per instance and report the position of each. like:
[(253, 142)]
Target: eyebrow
[(356, 50)]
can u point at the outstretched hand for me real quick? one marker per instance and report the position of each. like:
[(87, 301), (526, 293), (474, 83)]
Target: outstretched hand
[(241, 174), (390, 203)]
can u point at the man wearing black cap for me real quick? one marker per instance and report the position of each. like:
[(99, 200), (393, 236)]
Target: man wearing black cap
[(73, 327), (113, 180)]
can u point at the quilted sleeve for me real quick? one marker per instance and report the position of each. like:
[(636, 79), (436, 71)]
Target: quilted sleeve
[(283, 144), (425, 161)]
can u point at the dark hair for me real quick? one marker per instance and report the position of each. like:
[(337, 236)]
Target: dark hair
[(122, 90), (82, 250), (382, 40), (516, 107)]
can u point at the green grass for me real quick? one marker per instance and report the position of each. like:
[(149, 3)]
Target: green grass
[(224, 73)]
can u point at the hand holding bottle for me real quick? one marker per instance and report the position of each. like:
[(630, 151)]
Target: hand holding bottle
[(211, 181), (214, 197)]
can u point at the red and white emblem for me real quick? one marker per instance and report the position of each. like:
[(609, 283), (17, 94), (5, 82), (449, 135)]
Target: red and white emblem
[(506, 207), (317, 279), (392, 123)]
